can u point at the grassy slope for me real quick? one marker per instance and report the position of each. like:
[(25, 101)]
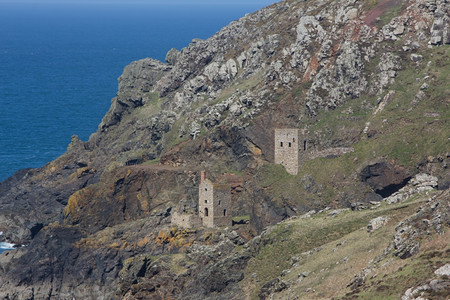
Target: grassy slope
[(345, 248)]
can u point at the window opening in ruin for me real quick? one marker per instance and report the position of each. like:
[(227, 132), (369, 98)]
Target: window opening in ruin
[(281, 144), (289, 144), (293, 140), (206, 201), (206, 211), (219, 202), (304, 145), (206, 189), (224, 212)]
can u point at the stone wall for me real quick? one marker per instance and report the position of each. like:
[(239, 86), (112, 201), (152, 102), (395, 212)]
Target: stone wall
[(222, 205), (291, 148), (214, 204), (287, 148), (331, 152), (205, 203), (185, 220)]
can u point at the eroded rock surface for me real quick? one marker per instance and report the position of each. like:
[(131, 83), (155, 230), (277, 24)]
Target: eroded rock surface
[(95, 221)]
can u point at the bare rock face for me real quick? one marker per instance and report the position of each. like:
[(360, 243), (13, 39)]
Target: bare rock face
[(437, 288), (172, 56), (405, 242), (386, 71), (129, 194), (433, 216), (344, 79), (418, 184), (43, 267), (95, 218), (440, 28), (40, 198), (137, 80)]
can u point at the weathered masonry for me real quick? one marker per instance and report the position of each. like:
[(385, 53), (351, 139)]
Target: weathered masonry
[(185, 220), (289, 143), (214, 203), (214, 207)]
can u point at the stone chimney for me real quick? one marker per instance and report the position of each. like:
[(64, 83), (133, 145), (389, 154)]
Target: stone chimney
[(202, 176)]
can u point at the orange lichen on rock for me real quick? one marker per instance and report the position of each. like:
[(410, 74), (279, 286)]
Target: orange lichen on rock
[(72, 204), (143, 242), (175, 238)]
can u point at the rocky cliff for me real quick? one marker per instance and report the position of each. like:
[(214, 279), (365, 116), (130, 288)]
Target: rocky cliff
[(364, 80)]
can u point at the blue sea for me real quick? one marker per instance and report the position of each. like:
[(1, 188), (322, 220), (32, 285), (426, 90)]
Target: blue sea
[(5, 247), (59, 65)]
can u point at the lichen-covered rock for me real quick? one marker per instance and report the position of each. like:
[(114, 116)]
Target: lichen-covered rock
[(434, 216), (440, 30), (376, 223), (443, 271), (345, 79), (136, 82), (418, 184), (273, 286), (313, 65), (172, 56), (406, 241), (386, 71)]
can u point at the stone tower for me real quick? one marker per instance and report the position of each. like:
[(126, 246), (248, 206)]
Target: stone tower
[(287, 147), (214, 203)]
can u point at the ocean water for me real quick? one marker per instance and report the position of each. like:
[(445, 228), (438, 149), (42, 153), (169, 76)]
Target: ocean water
[(59, 65), (5, 247)]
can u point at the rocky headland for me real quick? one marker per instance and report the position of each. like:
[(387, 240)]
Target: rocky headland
[(367, 214)]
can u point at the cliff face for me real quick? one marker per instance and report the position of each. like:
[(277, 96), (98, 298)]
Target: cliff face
[(366, 83)]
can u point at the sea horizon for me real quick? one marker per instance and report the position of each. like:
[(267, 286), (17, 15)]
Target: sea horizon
[(60, 64)]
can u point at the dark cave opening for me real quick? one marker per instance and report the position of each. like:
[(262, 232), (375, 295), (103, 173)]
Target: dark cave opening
[(392, 188)]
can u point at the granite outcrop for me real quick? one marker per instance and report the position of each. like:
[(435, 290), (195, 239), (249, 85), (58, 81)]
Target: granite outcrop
[(364, 81)]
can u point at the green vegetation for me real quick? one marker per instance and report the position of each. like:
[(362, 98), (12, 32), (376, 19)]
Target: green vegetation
[(179, 263), (313, 186), (393, 9), (152, 106), (393, 282), (342, 246), (237, 219), (155, 161), (406, 131), (173, 137), (241, 85)]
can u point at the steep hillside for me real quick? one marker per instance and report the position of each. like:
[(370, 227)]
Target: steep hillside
[(364, 81)]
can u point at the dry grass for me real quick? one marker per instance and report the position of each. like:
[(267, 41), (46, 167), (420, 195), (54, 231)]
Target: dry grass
[(346, 248)]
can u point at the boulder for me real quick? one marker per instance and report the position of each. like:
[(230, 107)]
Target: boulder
[(416, 57), (443, 271), (358, 206), (376, 223), (273, 286)]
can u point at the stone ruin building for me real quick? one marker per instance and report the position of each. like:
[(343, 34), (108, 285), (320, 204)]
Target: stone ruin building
[(185, 220), (214, 206), (290, 143), (214, 203)]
